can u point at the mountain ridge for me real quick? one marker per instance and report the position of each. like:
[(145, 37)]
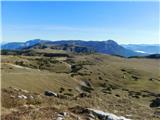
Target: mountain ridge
[(106, 47)]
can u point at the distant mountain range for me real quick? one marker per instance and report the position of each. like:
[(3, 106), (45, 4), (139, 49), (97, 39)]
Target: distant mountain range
[(144, 48), (105, 47)]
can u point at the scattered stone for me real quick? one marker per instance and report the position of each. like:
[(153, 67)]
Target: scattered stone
[(31, 97), (86, 83), (134, 77), (70, 90), (82, 95), (50, 93), (157, 113), (25, 106), (87, 89), (89, 118), (62, 90), (78, 118), (68, 94), (60, 96), (25, 91), (78, 110), (91, 115), (154, 79), (124, 77), (106, 92), (124, 89), (31, 106), (63, 113), (145, 95), (155, 103), (129, 115), (16, 89), (12, 96), (134, 94), (100, 78), (123, 70), (61, 116), (106, 116), (22, 96), (151, 79), (117, 95)]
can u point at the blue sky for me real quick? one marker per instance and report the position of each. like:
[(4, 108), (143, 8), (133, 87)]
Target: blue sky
[(124, 22)]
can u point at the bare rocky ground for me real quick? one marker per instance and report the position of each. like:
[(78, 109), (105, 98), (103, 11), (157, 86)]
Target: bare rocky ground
[(19, 104)]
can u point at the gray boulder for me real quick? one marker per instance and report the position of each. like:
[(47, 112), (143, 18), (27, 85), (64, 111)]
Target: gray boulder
[(106, 116), (155, 103), (50, 93)]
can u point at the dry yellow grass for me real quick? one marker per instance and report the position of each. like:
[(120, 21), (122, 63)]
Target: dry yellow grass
[(103, 72)]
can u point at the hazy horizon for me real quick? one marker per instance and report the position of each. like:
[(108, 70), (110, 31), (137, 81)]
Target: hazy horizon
[(123, 22), (4, 42)]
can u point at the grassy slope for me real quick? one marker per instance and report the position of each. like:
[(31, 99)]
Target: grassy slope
[(100, 70), (106, 67)]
